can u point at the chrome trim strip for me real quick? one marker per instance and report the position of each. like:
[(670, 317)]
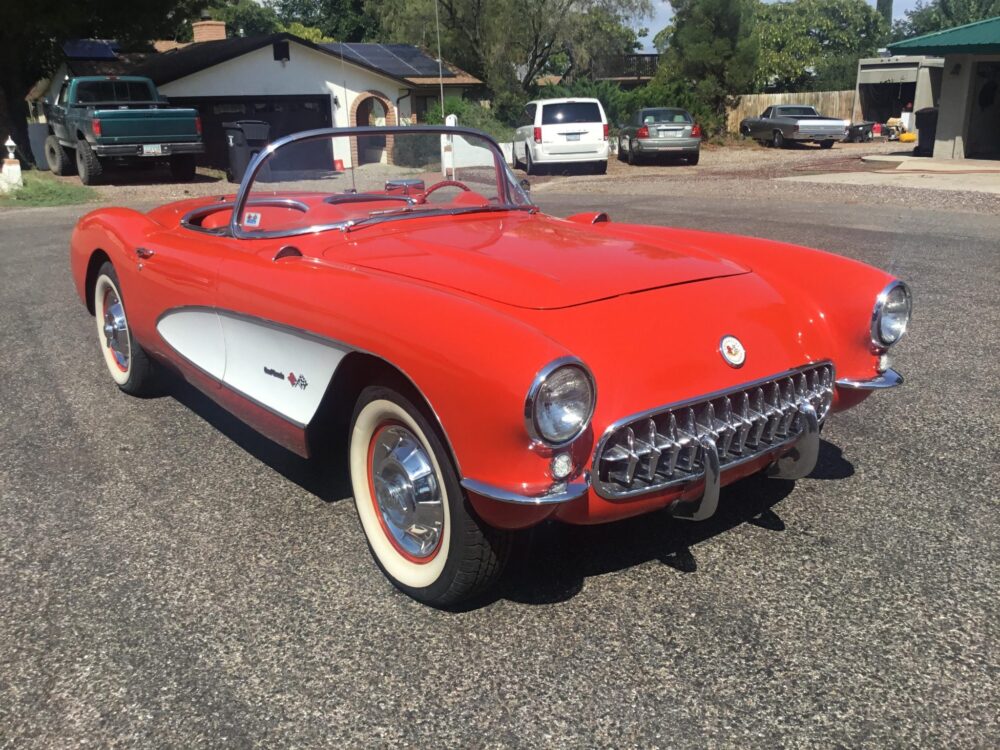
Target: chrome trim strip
[(536, 384), (888, 379), (561, 492), (505, 179), (876, 322)]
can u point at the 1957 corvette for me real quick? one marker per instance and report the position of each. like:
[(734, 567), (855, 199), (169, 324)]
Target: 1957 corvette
[(489, 366)]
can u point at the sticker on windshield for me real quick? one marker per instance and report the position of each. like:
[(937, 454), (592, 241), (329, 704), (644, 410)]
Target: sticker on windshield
[(251, 219)]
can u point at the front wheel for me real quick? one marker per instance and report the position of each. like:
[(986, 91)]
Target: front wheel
[(59, 161), (128, 364), (420, 527)]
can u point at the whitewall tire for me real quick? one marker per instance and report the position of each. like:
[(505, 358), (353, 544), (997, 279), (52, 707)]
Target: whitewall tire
[(420, 529), (127, 363)]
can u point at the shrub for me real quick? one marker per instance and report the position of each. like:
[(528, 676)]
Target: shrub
[(470, 115)]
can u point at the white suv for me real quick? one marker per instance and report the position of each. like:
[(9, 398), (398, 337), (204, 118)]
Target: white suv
[(562, 131)]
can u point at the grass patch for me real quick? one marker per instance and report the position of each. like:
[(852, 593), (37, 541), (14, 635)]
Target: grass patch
[(44, 189)]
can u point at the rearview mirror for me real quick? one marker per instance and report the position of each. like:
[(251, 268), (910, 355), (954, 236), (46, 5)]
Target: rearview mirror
[(525, 186)]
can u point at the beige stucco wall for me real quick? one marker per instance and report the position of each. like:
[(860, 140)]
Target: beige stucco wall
[(953, 116)]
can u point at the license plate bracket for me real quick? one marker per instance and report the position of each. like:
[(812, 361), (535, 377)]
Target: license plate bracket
[(152, 149)]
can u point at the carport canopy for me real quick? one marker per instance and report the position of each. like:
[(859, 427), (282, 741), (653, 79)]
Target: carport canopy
[(979, 38)]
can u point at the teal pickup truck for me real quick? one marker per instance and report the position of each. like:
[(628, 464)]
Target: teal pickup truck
[(120, 118)]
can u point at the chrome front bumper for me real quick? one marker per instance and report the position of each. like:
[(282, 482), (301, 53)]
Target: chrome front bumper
[(888, 379)]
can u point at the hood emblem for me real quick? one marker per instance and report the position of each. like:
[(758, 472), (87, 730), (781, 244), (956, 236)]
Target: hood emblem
[(732, 351)]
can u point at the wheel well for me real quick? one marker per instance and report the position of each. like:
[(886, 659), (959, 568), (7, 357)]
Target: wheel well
[(97, 259), (328, 430)]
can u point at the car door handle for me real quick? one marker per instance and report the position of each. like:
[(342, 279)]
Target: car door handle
[(144, 252)]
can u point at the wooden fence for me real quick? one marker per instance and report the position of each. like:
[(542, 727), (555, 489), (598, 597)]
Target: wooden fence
[(836, 104)]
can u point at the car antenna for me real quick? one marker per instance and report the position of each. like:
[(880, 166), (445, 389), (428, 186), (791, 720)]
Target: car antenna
[(343, 75)]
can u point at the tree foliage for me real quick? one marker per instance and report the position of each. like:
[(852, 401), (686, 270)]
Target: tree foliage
[(812, 44), (343, 20), (510, 43), (711, 52), (936, 15)]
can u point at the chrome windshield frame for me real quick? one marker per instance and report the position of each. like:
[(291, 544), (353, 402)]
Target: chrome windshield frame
[(506, 183)]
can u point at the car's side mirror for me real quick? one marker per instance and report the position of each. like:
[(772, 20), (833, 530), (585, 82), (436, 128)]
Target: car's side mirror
[(525, 186)]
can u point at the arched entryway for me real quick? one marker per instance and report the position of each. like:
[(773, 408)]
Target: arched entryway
[(372, 108)]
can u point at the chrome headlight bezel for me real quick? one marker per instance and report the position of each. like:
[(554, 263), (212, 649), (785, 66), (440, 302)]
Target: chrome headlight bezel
[(531, 400), (878, 340)]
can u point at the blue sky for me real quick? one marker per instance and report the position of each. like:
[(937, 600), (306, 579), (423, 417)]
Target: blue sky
[(662, 13)]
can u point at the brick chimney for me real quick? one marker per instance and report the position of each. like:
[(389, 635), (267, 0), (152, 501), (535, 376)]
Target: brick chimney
[(207, 30)]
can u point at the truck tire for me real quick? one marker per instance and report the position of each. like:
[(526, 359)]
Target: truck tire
[(59, 161), (87, 163), (182, 167)]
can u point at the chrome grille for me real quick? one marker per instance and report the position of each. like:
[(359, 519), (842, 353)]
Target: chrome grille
[(665, 447)]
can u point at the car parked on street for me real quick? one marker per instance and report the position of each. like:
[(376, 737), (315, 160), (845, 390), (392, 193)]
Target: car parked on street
[(659, 132), (96, 119), (562, 131), (489, 367), (801, 123)]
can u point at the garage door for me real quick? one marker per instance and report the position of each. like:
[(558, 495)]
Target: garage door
[(285, 114)]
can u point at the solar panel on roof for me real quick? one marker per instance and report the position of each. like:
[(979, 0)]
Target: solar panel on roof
[(399, 60), (418, 59), (90, 49)]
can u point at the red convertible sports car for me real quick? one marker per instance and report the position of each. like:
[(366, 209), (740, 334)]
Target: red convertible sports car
[(489, 366)]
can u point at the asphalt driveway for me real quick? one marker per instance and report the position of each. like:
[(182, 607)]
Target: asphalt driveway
[(168, 578)]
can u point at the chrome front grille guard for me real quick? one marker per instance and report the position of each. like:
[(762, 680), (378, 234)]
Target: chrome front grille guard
[(683, 444)]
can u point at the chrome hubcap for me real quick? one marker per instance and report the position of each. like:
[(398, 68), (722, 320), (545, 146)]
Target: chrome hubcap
[(407, 492), (116, 329)]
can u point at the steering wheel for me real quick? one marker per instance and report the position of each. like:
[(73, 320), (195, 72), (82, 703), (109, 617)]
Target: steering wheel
[(446, 183)]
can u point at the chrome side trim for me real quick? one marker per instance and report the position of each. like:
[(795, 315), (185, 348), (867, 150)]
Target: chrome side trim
[(888, 379), (561, 492), (536, 384)]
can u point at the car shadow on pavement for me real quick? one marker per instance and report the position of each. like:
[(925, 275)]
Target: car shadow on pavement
[(123, 177)]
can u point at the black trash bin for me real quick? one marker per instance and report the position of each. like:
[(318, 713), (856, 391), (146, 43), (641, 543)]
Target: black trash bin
[(244, 140), (926, 130)]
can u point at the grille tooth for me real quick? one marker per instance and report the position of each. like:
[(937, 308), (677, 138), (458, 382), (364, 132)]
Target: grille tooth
[(663, 448)]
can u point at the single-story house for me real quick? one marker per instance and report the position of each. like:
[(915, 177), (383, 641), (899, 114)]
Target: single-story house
[(968, 123), (288, 82), (887, 85)]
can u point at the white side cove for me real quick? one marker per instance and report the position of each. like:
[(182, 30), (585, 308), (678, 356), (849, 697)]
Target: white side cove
[(197, 336), (279, 368)]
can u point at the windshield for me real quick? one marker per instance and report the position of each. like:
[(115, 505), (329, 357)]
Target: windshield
[(93, 92), (351, 178)]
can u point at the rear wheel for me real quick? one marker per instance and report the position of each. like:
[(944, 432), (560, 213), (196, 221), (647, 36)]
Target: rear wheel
[(777, 139), (601, 167), (621, 151), (693, 158), (826, 144), (129, 366), (631, 157), (529, 165), (419, 525), (182, 167), (59, 161), (87, 163)]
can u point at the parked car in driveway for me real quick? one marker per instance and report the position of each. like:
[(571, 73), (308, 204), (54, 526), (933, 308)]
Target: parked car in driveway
[(562, 131), (96, 119), (659, 132), (801, 123), (478, 366)]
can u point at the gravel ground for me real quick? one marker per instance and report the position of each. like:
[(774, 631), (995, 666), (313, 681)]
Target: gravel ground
[(168, 578), (723, 170)]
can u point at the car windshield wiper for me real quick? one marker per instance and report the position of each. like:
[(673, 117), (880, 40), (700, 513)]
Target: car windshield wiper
[(393, 214)]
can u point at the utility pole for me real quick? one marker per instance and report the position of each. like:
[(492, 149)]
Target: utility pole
[(884, 8)]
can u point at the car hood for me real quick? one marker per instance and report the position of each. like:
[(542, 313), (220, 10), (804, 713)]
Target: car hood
[(530, 261)]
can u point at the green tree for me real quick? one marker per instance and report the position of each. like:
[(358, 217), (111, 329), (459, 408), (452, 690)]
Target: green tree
[(32, 34), (884, 9), (510, 43), (344, 20), (936, 15), (246, 18), (712, 51), (805, 44)]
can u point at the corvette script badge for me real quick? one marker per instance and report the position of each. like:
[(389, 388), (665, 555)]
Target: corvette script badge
[(732, 351)]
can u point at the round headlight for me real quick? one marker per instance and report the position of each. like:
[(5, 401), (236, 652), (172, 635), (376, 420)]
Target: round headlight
[(891, 314), (560, 402)]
